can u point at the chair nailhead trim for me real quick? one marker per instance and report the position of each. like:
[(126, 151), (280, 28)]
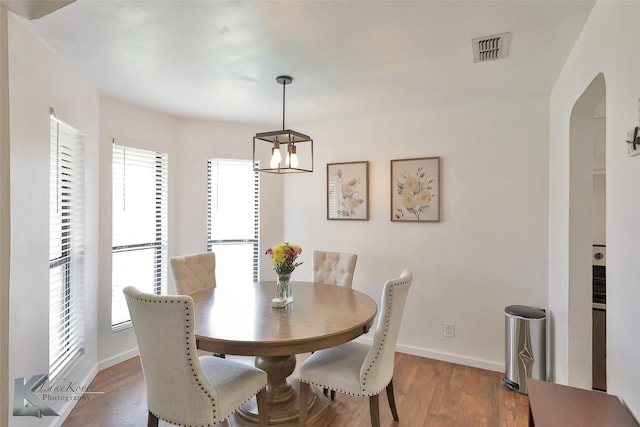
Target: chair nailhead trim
[(189, 344), (363, 393)]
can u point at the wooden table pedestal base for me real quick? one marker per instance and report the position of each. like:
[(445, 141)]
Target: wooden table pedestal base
[(283, 396)]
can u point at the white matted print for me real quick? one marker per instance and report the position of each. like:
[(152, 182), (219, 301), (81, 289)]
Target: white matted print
[(348, 191), (415, 190)]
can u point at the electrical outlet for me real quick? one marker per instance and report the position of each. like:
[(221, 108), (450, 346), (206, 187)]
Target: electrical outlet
[(449, 330)]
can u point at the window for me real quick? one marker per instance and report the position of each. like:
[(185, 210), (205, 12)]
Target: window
[(233, 213), (66, 245), (139, 252)]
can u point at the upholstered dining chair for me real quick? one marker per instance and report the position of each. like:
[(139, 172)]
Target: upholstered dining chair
[(360, 369), (334, 268), (182, 388), (194, 272)]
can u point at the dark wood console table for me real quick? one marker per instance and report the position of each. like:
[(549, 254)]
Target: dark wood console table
[(552, 405)]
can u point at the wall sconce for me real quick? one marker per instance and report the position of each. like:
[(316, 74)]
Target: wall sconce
[(633, 142), (268, 146)]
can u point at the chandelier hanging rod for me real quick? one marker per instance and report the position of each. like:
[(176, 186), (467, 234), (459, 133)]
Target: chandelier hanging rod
[(284, 81)]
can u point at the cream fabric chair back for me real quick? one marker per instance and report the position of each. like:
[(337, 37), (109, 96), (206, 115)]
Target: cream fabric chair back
[(334, 268), (195, 272), (377, 370), (178, 389), (356, 368)]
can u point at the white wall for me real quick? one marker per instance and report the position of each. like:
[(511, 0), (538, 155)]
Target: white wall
[(188, 143), (5, 209), (599, 209), (38, 81), (607, 45), (196, 141), (599, 180), (501, 181), (488, 251), (138, 128)]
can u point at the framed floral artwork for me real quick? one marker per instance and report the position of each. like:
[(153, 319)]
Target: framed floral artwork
[(415, 190), (348, 191)]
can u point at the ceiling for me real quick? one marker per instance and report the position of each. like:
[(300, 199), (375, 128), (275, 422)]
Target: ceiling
[(219, 59)]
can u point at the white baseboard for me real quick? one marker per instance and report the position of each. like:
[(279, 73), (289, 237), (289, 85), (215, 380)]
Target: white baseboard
[(416, 351), (452, 358), (118, 358), (68, 406), (445, 357)]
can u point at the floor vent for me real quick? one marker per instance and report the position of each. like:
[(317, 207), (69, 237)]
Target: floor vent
[(491, 48)]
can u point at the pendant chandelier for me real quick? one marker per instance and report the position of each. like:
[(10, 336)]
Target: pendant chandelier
[(283, 151)]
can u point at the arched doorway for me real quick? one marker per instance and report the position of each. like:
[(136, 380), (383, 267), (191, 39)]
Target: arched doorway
[(582, 131)]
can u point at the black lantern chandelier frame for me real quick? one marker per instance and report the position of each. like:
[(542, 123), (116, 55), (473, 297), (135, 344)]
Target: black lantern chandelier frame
[(283, 145)]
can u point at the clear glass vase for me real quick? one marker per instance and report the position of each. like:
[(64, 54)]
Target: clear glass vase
[(284, 290)]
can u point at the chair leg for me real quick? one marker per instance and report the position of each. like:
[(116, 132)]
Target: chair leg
[(152, 420), (263, 410), (326, 393), (392, 400), (374, 407), (305, 389)]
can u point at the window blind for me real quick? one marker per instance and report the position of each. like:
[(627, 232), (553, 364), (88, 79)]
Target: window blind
[(233, 218), (139, 226), (66, 246)]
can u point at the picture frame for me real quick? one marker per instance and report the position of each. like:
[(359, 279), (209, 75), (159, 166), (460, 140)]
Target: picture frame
[(348, 191), (415, 190)]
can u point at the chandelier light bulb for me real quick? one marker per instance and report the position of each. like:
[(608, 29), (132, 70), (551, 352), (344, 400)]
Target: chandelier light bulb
[(292, 157), (276, 157)]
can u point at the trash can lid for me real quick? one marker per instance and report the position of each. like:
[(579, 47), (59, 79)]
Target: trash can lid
[(525, 311)]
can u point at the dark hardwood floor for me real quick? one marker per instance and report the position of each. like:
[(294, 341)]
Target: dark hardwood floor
[(428, 393)]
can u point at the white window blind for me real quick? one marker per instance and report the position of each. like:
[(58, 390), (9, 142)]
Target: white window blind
[(233, 219), (66, 246), (139, 252)]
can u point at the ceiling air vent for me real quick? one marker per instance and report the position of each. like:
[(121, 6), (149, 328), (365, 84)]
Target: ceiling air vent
[(491, 48)]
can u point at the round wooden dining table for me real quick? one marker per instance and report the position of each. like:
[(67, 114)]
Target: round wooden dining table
[(238, 319)]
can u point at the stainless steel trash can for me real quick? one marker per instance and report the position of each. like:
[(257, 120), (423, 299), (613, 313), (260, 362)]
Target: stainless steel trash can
[(526, 346)]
